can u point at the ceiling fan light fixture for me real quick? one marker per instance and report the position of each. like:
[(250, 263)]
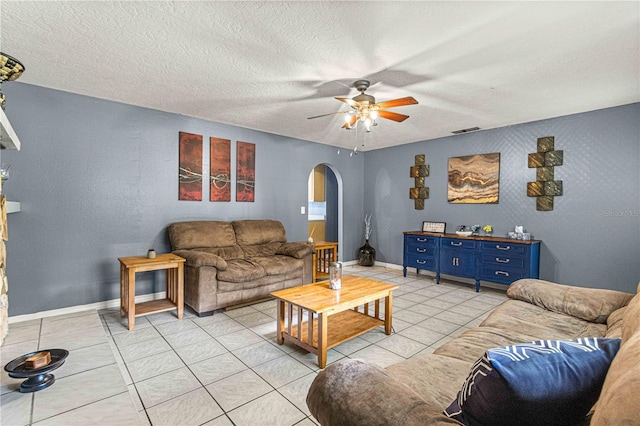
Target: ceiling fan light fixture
[(366, 110), (367, 124)]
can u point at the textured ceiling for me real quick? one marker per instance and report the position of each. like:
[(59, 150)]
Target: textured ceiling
[(270, 65)]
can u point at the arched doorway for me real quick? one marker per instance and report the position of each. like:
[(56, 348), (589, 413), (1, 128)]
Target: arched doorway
[(324, 212)]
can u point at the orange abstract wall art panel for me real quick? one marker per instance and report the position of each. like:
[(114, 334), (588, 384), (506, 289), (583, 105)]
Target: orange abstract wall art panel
[(190, 167), (245, 171)]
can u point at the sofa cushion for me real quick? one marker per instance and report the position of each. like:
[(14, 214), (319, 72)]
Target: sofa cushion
[(473, 343), (631, 319), (197, 258), (278, 265), (539, 383), (614, 323), (589, 304), (435, 378), (618, 402), (358, 393), (203, 233), (240, 271), (226, 252), (297, 250), (259, 237), (535, 321)]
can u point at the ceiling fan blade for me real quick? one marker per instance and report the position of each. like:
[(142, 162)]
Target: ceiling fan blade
[(409, 100), (324, 115), (392, 116), (351, 122), (350, 102)]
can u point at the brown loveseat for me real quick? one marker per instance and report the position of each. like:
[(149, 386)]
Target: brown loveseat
[(416, 391), (229, 263)]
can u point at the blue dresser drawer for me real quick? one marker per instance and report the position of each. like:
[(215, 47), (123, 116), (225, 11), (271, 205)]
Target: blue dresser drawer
[(501, 260), (500, 247), (502, 275), (422, 241), (421, 262), (459, 244), (420, 250)]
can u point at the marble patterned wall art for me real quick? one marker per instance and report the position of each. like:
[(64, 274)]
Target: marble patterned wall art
[(418, 172), (219, 169), (245, 171), (190, 167), (545, 188), (474, 179)]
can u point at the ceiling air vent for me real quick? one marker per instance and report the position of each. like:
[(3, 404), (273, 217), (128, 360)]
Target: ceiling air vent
[(470, 129)]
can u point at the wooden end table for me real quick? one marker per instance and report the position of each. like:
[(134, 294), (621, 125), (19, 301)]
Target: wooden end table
[(324, 253), (175, 285), (333, 316)]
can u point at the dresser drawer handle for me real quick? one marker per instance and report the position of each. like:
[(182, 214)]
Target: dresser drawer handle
[(421, 250), (506, 274), (422, 262), (502, 260), (499, 247), (455, 244), (422, 240)]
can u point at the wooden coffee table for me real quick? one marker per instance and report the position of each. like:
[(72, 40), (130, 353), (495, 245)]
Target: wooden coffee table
[(332, 316)]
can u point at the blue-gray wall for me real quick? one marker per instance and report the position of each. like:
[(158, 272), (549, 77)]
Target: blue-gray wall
[(591, 238), (98, 180)]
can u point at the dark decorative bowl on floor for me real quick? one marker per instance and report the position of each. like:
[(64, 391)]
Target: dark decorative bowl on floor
[(37, 378)]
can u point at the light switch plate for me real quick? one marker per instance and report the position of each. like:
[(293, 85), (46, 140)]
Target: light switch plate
[(303, 210)]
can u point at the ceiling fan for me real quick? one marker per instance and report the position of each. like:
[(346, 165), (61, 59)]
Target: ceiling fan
[(366, 110)]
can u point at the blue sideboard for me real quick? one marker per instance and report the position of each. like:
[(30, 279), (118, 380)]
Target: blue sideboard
[(495, 259)]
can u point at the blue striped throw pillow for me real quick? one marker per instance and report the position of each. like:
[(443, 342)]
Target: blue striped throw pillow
[(546, 382)]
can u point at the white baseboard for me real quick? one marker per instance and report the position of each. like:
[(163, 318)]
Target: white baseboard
[(376, 263), (113, 303)]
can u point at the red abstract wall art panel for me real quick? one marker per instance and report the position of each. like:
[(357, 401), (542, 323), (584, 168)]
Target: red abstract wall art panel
[(190, 167), (220, 169), (245, 171)]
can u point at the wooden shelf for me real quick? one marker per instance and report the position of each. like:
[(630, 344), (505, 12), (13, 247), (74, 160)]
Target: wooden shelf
[(154, 306), (341, 327), (13, 206)]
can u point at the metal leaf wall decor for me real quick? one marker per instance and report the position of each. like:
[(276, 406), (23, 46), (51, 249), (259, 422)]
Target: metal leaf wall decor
[(419, 192), (545, 188)]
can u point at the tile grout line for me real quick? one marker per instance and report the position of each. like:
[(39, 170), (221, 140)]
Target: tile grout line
[(33, 396)]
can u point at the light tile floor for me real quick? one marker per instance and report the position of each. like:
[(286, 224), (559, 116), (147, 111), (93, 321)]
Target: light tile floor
[(227, 369), (89, 388)]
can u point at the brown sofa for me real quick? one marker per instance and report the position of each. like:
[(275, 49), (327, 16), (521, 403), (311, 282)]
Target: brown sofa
[(416, 391), (230, 263)]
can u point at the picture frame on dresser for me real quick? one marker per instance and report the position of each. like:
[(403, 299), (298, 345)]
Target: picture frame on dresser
[(438, 227)]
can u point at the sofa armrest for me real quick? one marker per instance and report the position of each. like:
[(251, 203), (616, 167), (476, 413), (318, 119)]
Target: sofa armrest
[(589, 304), (356, 392), (297, 250), (200, 258)]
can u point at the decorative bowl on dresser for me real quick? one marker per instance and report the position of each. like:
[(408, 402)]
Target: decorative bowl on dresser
[(494, 259)]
